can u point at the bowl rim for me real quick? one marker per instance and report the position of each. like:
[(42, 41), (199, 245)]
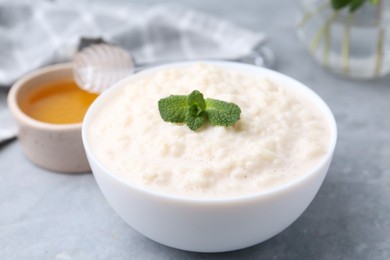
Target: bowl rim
[(21, 116), (314, 97)]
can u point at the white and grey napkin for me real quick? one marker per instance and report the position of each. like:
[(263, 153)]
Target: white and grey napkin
[(34, 34)]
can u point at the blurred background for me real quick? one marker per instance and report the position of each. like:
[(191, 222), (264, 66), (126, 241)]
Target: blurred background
[(44, 215)]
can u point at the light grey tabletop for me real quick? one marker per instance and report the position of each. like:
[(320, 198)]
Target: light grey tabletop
[(46, 215)]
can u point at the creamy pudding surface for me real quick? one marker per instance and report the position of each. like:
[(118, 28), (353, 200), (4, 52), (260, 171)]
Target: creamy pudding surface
[(281, 134)]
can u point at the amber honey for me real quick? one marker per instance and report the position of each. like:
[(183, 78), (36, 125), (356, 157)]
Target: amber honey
[(60, 102)]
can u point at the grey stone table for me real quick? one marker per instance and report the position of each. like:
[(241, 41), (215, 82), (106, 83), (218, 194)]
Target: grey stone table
[(45, 215)]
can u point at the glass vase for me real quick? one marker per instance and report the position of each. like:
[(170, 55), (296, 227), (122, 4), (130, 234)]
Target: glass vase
[(355, 44)]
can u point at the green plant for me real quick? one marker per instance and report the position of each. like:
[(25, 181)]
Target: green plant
[(323, 35), (353, 5)]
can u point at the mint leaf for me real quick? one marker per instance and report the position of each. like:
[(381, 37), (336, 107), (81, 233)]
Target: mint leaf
[(194, 110), (173, 108), (222, 113), (196, 98), (195, 116), (194, 122)]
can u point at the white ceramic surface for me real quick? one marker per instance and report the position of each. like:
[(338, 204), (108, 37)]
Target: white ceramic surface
[(211, 225), (56, 147)]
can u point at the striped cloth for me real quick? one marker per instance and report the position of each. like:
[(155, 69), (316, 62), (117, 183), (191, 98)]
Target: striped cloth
[(32, 36)]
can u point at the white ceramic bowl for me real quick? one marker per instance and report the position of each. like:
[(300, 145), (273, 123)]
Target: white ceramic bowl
[(218, 224)]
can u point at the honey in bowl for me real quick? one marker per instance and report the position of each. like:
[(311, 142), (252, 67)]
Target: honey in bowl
[(60, 102)]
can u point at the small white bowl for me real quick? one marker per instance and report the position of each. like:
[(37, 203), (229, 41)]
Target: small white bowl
[(56, 147), (216, 224)]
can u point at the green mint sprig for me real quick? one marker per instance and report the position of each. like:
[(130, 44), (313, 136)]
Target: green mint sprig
[(353, 4), (194, 110)]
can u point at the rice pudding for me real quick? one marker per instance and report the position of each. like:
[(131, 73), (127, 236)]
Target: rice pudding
[(280, 136)]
